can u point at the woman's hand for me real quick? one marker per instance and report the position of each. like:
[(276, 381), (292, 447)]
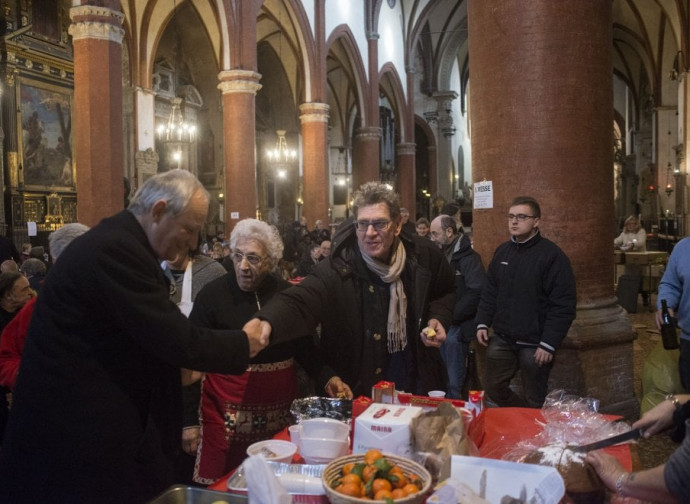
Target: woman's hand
[(338, 388), (606, 466), (191, 437)]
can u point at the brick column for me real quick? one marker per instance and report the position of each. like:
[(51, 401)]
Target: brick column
[(407, 187), (97, 115), (365, 156), (239, 89), (541, 126), (315, 178)]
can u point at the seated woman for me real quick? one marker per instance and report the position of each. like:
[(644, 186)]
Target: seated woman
[(236, 411), (669, 482), (633, 238)]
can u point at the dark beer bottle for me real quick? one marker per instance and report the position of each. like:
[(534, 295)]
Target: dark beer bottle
[(472, 381), (668, 328)]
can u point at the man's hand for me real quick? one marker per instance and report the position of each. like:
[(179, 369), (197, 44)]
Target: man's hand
[(191, 437), (338, 388), (659, 418), (542, 357), (483, 337), (438, 339), (659, 320), (258, 332), (189, 376)]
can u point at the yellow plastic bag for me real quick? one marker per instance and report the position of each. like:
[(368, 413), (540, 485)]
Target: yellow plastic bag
[(660, 377)]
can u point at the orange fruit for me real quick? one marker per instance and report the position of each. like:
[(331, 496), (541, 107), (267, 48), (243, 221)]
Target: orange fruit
[(347, 468), (351, 478), (410, 489), (398, 493), (368, 473), (351, 489), (383, 495), (372, 456), (381, 484)]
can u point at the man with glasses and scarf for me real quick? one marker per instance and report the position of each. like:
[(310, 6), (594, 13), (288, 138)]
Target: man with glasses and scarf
[(529, 300), (377, 297)]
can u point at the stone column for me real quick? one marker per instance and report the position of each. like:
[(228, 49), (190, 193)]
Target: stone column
[(239, 89), (541, 126), (315, 178), (9, 119), (407, 187), (98, 138), (365, 156), (445, 180)]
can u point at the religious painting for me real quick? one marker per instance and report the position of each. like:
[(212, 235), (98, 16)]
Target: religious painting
[(45, 137)]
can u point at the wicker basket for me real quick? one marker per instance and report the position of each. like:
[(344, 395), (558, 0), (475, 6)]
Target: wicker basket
[(333, 469)]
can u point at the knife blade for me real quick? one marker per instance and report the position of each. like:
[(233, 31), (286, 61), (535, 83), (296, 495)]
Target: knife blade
[(626, 436)]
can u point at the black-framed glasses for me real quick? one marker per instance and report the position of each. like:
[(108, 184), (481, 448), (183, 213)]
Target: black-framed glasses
[(521, 217), (253, 259), (378, 224)]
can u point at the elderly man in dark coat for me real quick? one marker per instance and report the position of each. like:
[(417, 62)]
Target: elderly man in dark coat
[(376, 297), (97, 411)]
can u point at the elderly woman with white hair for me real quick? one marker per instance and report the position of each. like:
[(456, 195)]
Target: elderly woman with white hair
[(238, 410)]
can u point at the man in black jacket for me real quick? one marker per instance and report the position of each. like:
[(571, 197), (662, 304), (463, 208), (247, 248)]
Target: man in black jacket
[(470, 278), (96, 415), (530, 301), (375, 296)]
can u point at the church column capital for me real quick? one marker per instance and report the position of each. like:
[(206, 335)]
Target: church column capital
[(405, 148), (239, 81), (314, 112), (101, 23)]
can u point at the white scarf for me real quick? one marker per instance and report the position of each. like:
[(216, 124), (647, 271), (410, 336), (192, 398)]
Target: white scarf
[(397, 309)]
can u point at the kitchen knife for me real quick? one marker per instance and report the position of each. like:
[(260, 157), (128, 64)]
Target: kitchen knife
[(626, 436)]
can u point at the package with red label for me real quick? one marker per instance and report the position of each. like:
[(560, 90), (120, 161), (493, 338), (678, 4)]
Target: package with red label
[(385, 427), (475, 402), (383, 392), (359, 405)]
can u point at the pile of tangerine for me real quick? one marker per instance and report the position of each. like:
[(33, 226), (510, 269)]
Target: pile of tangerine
[(376, 479)]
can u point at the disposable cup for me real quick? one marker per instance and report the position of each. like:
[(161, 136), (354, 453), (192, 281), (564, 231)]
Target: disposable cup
[(437, 393)]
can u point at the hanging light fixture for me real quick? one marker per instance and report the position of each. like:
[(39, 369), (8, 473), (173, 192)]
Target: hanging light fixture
[(176, 132), (281, 154)]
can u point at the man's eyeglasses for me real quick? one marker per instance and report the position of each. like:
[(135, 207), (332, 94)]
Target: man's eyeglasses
[(254, 259), (379, 225), (521, 217)]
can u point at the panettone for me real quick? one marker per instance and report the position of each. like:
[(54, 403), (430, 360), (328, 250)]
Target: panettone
[(581, 481)]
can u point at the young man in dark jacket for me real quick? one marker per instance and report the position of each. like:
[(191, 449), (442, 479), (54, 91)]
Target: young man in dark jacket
[(530, 301), (375, 296), (470, 278)]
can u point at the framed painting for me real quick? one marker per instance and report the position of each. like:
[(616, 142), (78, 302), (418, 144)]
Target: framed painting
[(45, 135)]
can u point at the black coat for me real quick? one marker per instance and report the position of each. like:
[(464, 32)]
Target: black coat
[(530, 294), (333, 296), (470, 278), (97, 414)]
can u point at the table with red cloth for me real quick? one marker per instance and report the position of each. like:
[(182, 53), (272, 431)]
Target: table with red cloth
[(495, 432)]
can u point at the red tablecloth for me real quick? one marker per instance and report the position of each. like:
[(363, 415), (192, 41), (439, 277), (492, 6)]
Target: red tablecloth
[(495, 432)]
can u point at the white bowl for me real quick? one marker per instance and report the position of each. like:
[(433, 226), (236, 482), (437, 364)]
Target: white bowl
[(322, 450), (324, 428), (274, 450)]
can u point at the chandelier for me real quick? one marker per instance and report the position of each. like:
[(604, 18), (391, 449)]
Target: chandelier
[(176, 130), (281, 154)]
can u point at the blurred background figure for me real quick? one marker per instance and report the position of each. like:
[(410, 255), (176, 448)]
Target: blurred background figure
[(422, 227), (8, 266), (306, 265), (35, 271), (324, 249), (633, 238), (407, 226), (8, 250), (26, 252), (14, 293)]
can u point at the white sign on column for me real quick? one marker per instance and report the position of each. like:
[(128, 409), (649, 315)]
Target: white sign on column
[(484, 194)]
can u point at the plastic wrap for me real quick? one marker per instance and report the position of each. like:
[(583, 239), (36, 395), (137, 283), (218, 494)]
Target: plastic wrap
[(568, 420)]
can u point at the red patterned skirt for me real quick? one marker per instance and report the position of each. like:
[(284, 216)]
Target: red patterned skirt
[(237, 411)]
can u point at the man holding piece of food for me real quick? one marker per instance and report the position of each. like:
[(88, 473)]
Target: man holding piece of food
[(383, 300)]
